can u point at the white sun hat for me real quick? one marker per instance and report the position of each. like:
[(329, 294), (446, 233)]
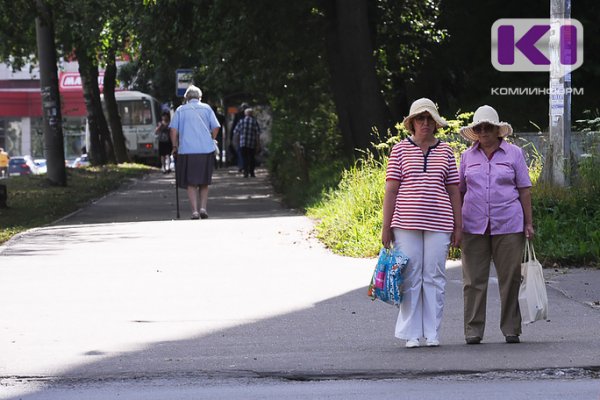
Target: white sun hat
[(423, 105), (486, 114)]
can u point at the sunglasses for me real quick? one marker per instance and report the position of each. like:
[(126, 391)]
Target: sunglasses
[(484, 127), (423, 117)]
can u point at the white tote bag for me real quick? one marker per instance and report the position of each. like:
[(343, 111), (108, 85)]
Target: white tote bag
[(533, 300)]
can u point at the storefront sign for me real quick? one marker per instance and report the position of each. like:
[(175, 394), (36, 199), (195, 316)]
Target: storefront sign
[(72, 81)]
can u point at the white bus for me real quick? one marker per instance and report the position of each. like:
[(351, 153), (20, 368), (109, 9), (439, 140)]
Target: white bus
[(140, 114)]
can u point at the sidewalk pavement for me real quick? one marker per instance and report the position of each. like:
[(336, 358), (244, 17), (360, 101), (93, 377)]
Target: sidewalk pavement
[(122, 289)]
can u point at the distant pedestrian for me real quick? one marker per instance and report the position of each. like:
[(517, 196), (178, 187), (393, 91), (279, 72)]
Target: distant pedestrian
[(237, 151), (193, 130), (248, 133), (4, 160), (497, 217), (165, 147), (421, 217)]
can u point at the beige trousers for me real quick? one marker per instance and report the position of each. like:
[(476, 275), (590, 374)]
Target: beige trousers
[(507, 253)]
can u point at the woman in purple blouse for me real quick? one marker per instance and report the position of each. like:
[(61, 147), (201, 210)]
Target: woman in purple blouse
[(497, 217)]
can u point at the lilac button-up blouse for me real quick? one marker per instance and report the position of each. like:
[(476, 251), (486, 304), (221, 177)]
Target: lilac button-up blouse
[(490, 187)]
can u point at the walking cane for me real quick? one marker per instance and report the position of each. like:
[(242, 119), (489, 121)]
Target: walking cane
[(176, 184)]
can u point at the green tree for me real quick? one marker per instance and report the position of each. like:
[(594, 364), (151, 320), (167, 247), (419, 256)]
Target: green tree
[(296, 57), (52, 118), (115, 36), (92, 31), (81, 25)]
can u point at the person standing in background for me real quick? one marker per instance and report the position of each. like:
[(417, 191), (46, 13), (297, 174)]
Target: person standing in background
[(165, 147), (248, 133), (4, 160), (235, 139)]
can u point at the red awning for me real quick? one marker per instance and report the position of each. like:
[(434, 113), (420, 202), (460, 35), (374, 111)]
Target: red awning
[(23, 99), (16, 103)]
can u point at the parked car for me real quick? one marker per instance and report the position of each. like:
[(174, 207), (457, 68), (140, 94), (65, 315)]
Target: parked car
[(21, 165), (81, 161), (40, 163)]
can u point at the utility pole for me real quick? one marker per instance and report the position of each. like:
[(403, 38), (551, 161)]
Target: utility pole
[(53, 134), (558, 159)]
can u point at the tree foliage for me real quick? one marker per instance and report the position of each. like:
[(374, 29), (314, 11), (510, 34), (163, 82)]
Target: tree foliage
[(330, 70), (17, 32)]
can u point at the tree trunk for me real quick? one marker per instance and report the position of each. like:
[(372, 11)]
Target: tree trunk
[(356, 89), (101, 149), (114, 119), (339, 75), (53, 134)]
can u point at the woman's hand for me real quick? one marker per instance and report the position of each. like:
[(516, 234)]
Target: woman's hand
[(387, 237), (456, 237), (529, 231)]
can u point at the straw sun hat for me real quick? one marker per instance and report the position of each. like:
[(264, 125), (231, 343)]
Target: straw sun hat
[(486, 114), (423, 105)]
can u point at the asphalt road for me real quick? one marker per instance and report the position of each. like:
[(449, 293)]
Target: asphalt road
[(239, 389)]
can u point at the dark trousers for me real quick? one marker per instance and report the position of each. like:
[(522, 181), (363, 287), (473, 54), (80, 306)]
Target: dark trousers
[(249, 160)]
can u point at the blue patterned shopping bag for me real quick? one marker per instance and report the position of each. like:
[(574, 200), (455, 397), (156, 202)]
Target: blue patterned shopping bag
[(386, 283)]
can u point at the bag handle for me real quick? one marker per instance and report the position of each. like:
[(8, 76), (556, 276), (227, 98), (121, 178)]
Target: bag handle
[(529, 253)]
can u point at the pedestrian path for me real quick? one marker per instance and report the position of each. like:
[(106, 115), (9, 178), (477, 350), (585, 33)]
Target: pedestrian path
[(154, 198)]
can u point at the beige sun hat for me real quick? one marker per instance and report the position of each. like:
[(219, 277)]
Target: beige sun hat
[(486, 114), (419, 106)]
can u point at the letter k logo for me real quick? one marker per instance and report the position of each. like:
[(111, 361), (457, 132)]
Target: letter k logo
[(527, 44)]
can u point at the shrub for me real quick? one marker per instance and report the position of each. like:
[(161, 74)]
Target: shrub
[(567, 220), (350, 216), (304, 154)]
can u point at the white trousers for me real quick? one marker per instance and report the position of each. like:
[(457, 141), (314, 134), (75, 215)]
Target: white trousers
[(424, 283)]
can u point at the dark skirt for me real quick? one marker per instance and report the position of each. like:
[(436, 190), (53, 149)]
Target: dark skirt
[(194, 169), (164, 148)]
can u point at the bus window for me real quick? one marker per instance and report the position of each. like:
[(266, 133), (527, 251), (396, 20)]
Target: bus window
[(135, 112), (125, 112), (147, 112)]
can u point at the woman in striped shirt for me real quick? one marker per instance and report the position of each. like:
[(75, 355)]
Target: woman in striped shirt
[(422, 217)]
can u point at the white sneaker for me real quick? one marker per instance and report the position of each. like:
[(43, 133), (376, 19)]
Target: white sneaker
[(412, 343), (433, 343)]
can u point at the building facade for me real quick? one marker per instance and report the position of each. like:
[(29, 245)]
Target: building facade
[(21, 124)]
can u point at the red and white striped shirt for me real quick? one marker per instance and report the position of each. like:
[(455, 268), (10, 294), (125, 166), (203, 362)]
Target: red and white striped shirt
[(422, 202)]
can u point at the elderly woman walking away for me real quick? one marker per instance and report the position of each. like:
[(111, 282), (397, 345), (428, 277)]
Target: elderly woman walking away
[(422, 217), (193, 129), (497, 217)]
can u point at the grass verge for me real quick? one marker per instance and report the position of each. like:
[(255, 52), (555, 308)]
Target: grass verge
[(33, 202)]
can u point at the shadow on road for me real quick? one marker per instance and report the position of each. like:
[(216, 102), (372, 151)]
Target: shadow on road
[(344, 337)]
